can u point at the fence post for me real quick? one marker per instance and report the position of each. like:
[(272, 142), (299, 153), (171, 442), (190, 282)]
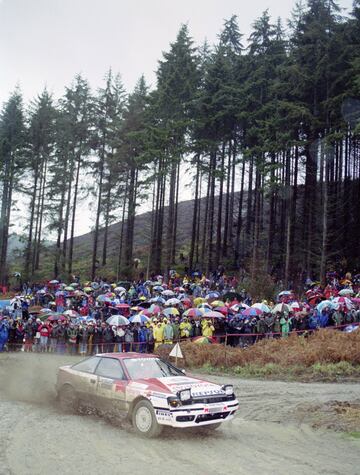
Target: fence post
[(226, 336)]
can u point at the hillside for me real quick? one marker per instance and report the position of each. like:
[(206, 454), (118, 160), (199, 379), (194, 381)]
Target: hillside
[(83, 244)]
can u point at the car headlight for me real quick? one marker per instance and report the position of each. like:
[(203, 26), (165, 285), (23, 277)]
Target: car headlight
[(173, 401), (229, 389), (184, 395)]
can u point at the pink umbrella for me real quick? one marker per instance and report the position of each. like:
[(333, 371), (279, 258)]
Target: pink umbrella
[(223, 310), (213, 314)]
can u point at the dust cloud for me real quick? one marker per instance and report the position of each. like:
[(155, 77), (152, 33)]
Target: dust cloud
[(30, 377)]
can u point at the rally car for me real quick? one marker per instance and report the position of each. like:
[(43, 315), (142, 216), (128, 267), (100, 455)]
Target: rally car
[(151, 392)]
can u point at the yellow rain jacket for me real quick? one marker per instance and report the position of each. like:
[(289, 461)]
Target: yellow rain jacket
[(208, 329), (185, 329)]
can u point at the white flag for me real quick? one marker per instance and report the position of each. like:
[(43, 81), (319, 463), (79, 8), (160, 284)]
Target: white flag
[(176, 351)]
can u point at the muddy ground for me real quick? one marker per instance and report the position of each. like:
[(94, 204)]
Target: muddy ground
[(273, 433)]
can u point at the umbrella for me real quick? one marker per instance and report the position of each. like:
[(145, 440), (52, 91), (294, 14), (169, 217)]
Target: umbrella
[(159, 300), (213, 314), (262, 306), (71, 313), (212, 295), (172, 302), (55, 318), (154, 309), (69, 289), (205, 310), (168, 293), (88, 289), (95, 285), (251, 312), (171, 311), (295, 307), (139, 318), (218, 303), (122, 305), (285, 292), (203, 340), (119, 290), (199, 300), (224, 310), (53, 282), (117, 320), (186, 302), (74, 284), (342, 301), (158, 288), (103, 298), (45, 310), (193, 312), (281, 307), (239, 307), (145, 312), (136, 309), (324, 304), (346, 292)]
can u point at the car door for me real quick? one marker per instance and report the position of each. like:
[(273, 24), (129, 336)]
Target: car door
[(111, 385), (85, 379)]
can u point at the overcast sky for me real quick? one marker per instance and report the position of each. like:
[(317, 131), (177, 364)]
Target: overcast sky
[(46, 42)]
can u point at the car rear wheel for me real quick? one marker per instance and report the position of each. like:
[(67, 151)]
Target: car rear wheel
[(67, 399), (144, 420)]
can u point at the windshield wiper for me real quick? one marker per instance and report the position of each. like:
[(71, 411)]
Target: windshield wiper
[(162, 370)]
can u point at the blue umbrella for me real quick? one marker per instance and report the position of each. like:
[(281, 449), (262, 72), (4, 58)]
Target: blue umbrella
[(213, 295), (158, 300), (325, 303), (138, 319)]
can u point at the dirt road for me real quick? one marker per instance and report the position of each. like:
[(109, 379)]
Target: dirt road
[(266, 437)]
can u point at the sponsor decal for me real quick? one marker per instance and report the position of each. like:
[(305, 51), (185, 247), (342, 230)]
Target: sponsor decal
[(163, 415)]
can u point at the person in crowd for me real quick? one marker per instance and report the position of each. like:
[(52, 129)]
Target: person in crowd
[(168, 333)]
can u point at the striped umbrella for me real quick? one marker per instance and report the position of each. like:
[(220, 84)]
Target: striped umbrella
[(251, 312), (139, 318), (171, 311)]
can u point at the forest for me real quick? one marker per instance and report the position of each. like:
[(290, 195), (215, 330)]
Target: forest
[(266, 127)]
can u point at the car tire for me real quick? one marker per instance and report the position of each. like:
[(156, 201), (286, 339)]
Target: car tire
[(144, 420), (67, 399)]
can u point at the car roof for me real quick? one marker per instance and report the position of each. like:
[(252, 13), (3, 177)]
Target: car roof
[(129, 354)]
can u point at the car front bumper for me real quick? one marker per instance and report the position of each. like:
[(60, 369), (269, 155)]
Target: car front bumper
[(197, 415)]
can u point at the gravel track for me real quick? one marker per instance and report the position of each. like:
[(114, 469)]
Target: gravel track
[(266, 437)]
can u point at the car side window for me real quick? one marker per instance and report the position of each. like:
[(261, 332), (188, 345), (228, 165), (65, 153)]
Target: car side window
[(110, 368), (88, 365)]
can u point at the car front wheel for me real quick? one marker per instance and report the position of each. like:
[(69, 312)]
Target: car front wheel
[(144, 420)]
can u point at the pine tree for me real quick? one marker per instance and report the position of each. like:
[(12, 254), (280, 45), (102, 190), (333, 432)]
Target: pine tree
[(12, 142)]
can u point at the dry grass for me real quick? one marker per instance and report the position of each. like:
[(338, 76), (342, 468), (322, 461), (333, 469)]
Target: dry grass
[(323, 347)]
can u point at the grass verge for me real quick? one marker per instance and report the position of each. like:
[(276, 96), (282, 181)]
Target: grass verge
[(327, 355)]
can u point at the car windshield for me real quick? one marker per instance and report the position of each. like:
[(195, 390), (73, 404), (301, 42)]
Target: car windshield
[(144, 368)]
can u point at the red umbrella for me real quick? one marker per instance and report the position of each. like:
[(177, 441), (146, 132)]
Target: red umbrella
[(186, 303)]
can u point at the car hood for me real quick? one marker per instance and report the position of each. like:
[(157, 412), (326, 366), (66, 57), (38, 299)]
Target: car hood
[(174, 384)]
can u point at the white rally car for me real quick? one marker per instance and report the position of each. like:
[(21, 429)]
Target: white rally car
[(150, 391)]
